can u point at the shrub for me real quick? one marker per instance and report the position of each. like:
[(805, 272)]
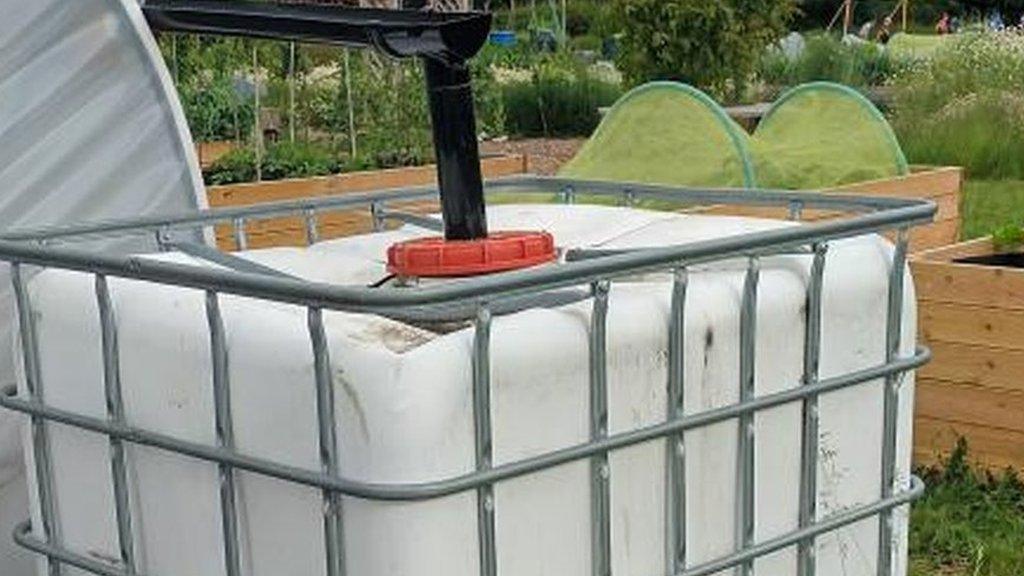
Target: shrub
[(712, 45), (964, 106), (557, 101), (281, 161), (826, 57)]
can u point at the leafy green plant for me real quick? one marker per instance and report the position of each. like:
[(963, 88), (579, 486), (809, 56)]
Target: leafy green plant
[(968, 522), (1009, 237), (560, 98), (712, 45), (281, 161)]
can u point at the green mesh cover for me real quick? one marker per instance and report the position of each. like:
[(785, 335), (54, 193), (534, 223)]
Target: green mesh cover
[(666, 133), (820, 135)]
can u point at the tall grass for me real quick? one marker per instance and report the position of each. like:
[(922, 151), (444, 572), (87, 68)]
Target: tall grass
[(965, 106), (826, 57), (555, 99)]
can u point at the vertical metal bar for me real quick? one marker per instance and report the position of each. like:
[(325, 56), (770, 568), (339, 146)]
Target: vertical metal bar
[(115, 412), (628, 197), (796, 210), (327, 426), (483, 439), (809, 454), (675, 485), (745, 452), (568, 195), (225, 432), (890, 405), (600, 469), (49, 529), (241, 238), (161, 236), (312, 230), (377, 215)]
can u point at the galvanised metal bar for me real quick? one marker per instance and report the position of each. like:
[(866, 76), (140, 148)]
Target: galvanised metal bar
[(427, 222), (225, 433), (471, 481), (488, 287), (809, 429), (377, 211), (227, 260), (49, 527), (833, 523), (22, 536), (890, 405), (567, 194), (515, 184), (745, 451), (327, 426), (115, 413), (240, 235), (600, 467), (484, 441), (796, 210), (675, 482), (312, 226)]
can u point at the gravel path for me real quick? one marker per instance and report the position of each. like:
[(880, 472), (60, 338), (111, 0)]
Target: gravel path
[(546, 155)]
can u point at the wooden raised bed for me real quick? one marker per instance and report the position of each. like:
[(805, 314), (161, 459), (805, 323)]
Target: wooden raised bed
[(210, 152), (942, 185), (292, 231), (972, 316)]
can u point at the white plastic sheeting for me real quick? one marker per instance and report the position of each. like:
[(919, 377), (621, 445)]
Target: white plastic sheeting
[(90, 129), (403, 402)]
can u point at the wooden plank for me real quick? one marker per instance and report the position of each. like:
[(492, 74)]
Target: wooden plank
[(262, 192), (988, 286), (980, 365), (939, 233), (926, 182), (970, 404), (989, 447), (954, 322)]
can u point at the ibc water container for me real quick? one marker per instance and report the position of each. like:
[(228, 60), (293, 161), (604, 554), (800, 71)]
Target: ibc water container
[(403, 397)]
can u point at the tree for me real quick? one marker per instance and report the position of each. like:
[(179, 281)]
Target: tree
[(712, 45)]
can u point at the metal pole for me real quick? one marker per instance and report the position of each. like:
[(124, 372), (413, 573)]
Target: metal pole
[(352, 150), (256, 129), (291, 91), (600, 468), (675, 489)]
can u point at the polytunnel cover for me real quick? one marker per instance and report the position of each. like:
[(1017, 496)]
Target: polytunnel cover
[(90, 129), (666, 133), (820, 135)]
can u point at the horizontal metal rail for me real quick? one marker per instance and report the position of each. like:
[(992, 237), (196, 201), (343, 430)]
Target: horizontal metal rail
[(470, 481), (514, 184), (380, 300), (23, 536)]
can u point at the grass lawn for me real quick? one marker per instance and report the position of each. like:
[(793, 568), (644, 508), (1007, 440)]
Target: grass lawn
[(990, 204), (967, 524)]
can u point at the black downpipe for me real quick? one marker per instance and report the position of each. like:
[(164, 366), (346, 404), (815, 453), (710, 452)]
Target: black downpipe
[(458, 155), (443, 41)]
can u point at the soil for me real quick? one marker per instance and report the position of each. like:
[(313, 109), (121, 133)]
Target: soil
[(1005, 260), (546, 155)]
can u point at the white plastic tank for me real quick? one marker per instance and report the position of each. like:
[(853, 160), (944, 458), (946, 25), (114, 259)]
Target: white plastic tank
[(403, 399)]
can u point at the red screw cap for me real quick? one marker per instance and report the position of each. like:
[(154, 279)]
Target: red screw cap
[(500, 252)]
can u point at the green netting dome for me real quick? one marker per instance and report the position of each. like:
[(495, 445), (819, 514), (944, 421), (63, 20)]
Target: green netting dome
[(666, 133), (820, 135)]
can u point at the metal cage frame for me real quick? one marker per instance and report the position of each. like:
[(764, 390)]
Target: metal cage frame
[(478, 300)]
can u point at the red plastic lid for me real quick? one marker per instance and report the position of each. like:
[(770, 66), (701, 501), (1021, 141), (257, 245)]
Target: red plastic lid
[(499, 252)]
